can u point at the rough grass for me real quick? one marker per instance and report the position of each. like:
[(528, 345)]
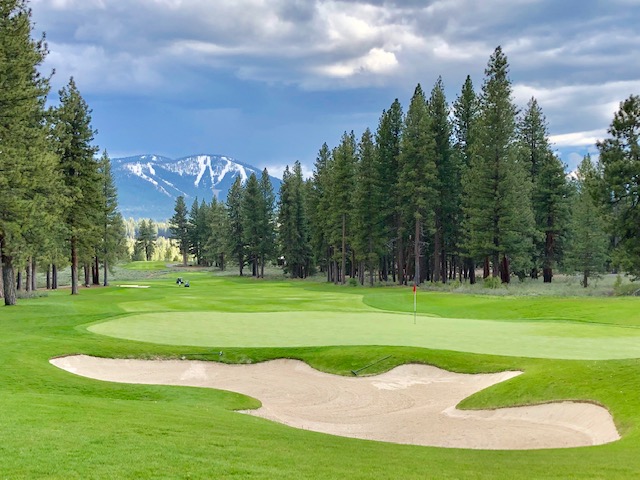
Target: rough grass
[(57, 425)]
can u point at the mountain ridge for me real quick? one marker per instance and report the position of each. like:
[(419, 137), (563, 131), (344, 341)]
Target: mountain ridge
[(149, 184)]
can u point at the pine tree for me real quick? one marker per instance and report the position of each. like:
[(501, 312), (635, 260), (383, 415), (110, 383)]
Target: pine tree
[(267, 220), (341, 189), (80, 172), (387, 139), (146, 239), (368, 237), (465, 117), (236, 223), (446, 183), (497, 189), (620, 160), (113, 236), (293, 224), (217, 242), (28, 176), (417, 181), (550, 190), (588, 241), (318, 208), (197, 229), (252, 216), (179, 228)]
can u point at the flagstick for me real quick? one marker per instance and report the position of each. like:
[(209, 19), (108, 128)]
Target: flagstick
[(415, 304)]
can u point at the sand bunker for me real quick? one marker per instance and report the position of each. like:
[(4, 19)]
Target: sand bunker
[(133, 286), (412, 404)]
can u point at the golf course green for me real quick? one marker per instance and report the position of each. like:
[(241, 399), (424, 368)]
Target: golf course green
[(59, 425), (566, 340)]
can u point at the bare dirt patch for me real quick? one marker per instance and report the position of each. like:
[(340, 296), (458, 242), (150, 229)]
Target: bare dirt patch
[(411, 404)]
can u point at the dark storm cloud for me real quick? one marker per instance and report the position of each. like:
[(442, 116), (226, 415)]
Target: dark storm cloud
[(579, 58)]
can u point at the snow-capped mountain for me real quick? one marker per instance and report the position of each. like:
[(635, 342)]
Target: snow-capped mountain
[(148, 185)]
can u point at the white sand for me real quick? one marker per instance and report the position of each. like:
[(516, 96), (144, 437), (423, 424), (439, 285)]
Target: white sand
[(413, 404), (133, 286)]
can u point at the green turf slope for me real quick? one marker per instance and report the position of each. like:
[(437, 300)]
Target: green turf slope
[(541, 339)]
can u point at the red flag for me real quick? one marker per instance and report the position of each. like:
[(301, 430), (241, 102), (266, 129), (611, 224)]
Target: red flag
[(414, 288)]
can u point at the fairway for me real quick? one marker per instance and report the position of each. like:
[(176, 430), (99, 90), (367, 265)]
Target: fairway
[(536, 339)]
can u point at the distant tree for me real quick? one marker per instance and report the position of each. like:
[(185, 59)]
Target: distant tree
[(497, 201), (446, 182), (179, 228), (465, 117), (620, 160), (550, 190), (197, 229), (267, 220), (217, 242), (80, 172), (28, 177), (318, 207), (146, 239), (113, 243), (588, 240), (235, 223), (368, 236), (252, 222), (387, 140), (417, 177), (293, 224), (340, 198)]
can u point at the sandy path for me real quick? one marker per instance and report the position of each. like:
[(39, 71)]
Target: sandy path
[(413, 404)]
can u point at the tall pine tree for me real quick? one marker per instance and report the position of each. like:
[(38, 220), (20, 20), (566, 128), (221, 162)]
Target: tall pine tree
[(80, 173), (29, 178), (417, 180), (497, 187)]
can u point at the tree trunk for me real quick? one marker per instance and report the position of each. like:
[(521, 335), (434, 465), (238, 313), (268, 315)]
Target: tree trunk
[(105, 270), (344, 249), (28, 283), (547, 272), (585, 279), (437, 247), (34, 277), (505, 275), (184, 259), (54, 277), (19, 280), (472, 271), (48, 277), (8, 280), (74, 266), (486, 271), (96, 273), (87, 275), (1, 282), (400, 261)]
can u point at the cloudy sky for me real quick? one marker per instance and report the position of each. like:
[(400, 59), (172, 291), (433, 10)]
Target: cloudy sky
[(268, 81)]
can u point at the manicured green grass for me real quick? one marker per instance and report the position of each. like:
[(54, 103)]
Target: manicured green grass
[(568, 340), (57, 425), (146, 266)]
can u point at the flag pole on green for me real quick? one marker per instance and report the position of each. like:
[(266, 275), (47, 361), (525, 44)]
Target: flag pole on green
[(415, 303)]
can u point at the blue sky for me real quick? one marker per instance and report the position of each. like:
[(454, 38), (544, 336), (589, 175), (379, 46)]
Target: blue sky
[(269, 81)]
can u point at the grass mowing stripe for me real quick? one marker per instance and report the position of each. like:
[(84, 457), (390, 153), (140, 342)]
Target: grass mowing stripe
[(560, 340)]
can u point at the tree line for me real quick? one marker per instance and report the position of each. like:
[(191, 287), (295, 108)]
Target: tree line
[(58, 202), (435, 194)]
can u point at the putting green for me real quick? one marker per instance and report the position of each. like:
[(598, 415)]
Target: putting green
[(539, 339)]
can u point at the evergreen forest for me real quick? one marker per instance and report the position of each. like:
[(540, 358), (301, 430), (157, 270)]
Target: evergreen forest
[(439, 191)]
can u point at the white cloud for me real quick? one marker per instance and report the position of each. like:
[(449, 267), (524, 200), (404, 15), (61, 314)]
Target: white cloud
[(577, 139)]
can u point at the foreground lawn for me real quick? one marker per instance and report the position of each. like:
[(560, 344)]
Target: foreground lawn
[(57, 425)]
